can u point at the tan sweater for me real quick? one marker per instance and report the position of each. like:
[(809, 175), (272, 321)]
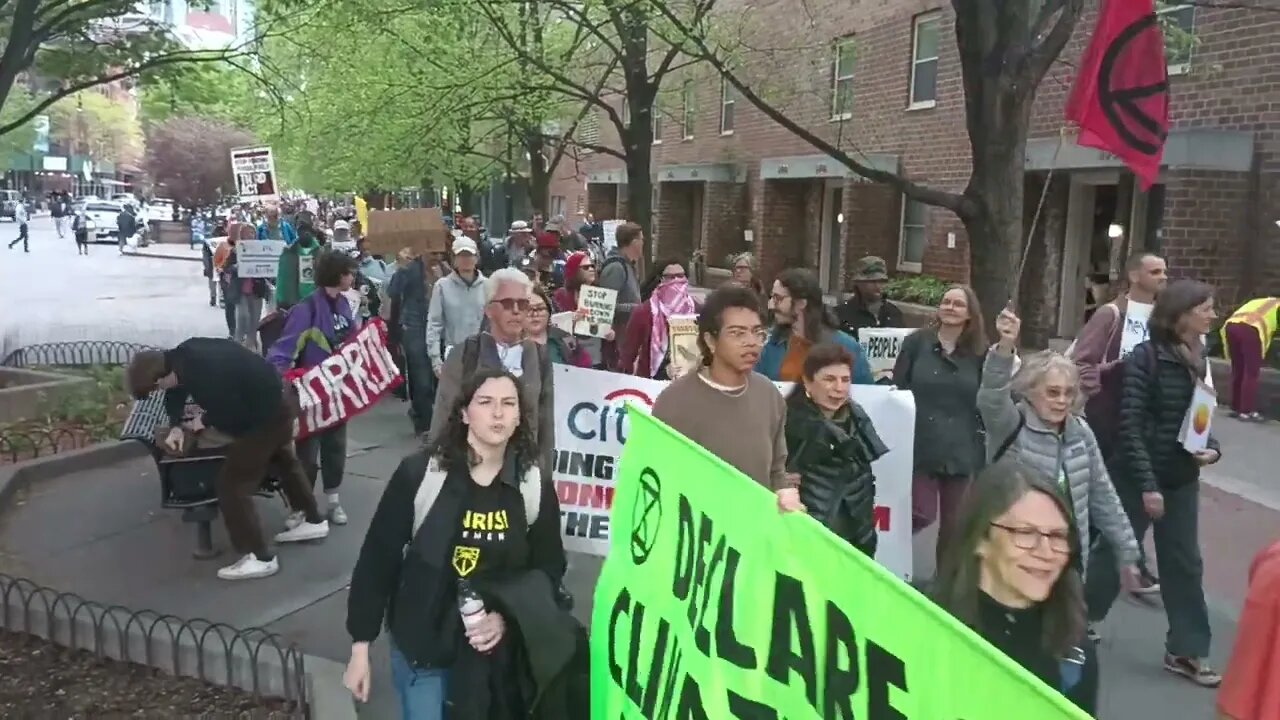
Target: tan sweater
[(745, 431)]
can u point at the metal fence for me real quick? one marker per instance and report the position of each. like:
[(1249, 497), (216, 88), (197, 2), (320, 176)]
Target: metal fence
[(75, 353), (26, 441), (255, 660)]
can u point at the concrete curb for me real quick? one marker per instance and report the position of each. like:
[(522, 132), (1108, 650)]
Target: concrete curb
[(18, 476), (163, 256), (330, 699)]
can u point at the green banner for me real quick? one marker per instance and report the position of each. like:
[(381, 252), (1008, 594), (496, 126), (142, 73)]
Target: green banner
[(713, 605)]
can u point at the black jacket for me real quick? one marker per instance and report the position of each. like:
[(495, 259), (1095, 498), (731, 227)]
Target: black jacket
[(416, 591), (834, 460), (543, 673), (1155, 395), (854, 315), (239, 391)]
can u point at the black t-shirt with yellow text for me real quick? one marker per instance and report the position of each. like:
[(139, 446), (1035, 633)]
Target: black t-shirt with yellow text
[(485, 536)]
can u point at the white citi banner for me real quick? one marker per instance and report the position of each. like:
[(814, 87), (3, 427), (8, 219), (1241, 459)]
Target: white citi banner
[(591, 427)]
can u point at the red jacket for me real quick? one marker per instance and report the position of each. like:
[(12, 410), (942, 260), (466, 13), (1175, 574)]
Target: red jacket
[(633, 348)]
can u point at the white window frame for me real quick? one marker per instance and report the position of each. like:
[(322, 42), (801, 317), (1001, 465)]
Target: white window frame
[(687, 119), (936, 19), (590, 125), (655, 123), (727, 101), (1170, 8), (904, 265), (837, 78)]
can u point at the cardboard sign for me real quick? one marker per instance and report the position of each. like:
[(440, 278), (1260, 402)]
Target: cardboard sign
[(882, 346), (609, 229), (599, 303), (422, 230), (258, 258), (682, 346), (712, 604), (255, 174), (347, 383)]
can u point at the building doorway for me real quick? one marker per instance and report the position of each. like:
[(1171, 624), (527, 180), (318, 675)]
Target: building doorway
[(1108, 218), (829, 254)]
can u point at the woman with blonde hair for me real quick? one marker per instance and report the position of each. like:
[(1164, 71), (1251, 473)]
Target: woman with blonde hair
[(744, 272)]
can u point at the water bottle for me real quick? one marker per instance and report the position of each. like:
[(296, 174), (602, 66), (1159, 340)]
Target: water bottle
[(470, 604)]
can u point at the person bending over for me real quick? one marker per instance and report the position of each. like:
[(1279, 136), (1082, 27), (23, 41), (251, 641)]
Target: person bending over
[(243, 397)]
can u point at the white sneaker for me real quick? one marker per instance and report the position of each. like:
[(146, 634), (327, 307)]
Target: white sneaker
[(337, 515), (250, 567), (294, 520), (303, 532)]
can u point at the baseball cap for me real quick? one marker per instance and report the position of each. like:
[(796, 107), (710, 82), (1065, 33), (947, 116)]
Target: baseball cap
[(341, 225), (464, 245)]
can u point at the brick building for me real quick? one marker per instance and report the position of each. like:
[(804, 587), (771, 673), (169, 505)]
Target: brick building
[(882, 79)]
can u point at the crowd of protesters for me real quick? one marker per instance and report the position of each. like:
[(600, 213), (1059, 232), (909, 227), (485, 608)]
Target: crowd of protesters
[(1042, 471)]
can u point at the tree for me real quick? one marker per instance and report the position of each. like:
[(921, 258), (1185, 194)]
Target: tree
[(23, 138), (191, 158), (96, 126), (607, 56), (80, 44), (1005, 50), (217, 91)]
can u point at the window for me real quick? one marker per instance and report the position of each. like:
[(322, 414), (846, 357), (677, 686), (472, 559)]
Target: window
[(842, 80), (626, 113), (589, 130), (727, 97), (915, 219), (1179, 24), (657, 124), (924, 61), (557, 205), (686, 110)]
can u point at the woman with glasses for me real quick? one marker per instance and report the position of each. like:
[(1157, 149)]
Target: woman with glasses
[(1006, 576), (1033, 417), (645, 350), (942, 367), (561, 346), (744, 272), (580, 271)]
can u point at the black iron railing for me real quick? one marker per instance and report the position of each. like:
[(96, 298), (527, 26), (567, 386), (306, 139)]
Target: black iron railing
[(75, 353), (28, 441), (254, 660)]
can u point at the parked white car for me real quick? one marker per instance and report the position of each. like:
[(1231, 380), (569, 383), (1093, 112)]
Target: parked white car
[(102, 213), (159, 209)]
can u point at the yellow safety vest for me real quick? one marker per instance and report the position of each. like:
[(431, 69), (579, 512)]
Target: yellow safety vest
[(1261, 314)]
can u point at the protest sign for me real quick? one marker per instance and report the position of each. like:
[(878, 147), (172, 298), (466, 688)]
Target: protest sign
[(609, 229), (1134, 331), (347, 383), (420, 229), (254, 169), (1196, 424), (258, 258), (592, 424), (599, 303), (882, 346), (712, 604), (682, 345)]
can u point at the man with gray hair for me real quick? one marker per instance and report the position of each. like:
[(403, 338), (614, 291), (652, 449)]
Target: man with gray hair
[(502, 345)]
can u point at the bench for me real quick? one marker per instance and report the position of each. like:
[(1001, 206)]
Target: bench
[(186, 481)]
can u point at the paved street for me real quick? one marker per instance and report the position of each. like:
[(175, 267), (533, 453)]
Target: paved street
[(52, 294)]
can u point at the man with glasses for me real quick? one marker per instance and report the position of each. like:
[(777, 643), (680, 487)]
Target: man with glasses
[(726, 407), (503, 345)]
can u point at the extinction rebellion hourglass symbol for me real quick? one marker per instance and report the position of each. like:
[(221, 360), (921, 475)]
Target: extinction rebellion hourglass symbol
[(1123, 106), (646, 516)]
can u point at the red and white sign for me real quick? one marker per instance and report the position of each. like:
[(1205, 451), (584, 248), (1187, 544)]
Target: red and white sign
[(347, 383)]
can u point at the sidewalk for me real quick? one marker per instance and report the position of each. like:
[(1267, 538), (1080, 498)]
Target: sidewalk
[(167, 251), (102, 535)]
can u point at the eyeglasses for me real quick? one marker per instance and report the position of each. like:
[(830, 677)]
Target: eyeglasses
[(744, 336), (513, 304), (777, 299), (538, 309), (673, 276), (1028, 538)]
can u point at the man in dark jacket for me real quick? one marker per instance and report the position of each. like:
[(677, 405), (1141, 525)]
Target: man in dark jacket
[(866, 306), (126, 226), (243, 397)]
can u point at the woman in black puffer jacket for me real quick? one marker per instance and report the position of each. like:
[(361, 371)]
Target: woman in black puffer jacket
[(831, 444), (1159, 480)]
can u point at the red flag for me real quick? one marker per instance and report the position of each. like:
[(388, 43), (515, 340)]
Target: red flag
[(1121, 95)]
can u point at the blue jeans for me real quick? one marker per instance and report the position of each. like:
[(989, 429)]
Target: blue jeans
[(422, 692)]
